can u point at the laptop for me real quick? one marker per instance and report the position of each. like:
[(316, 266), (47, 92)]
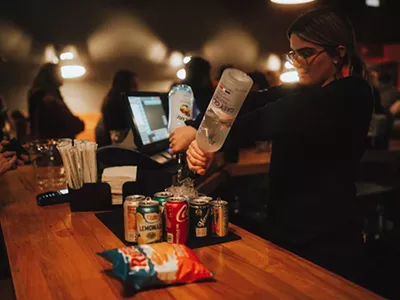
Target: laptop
[(149, 124)]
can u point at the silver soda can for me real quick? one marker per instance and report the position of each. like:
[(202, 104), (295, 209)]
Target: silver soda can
[(206, 198), (219, 218), (131, 204)]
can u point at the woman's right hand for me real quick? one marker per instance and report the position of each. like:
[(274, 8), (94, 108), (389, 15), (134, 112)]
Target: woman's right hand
[(198, 161)]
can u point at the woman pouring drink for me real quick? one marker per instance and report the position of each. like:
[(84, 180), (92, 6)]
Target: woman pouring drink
[(319, 134)]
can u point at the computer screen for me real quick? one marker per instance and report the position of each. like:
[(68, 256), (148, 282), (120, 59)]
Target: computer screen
[(149, 118)]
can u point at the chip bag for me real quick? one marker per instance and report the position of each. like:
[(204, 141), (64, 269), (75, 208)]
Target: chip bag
[(145, 266)]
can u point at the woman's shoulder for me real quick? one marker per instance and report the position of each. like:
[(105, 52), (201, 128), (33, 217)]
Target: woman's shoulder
[(344, 87), (350, 82)]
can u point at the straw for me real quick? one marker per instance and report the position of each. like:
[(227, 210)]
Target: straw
[(79, 162)]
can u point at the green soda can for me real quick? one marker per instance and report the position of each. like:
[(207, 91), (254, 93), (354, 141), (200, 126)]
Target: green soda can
[(162, 198), (149, 222)]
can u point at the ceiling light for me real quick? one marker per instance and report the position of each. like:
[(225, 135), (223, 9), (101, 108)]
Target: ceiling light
[(288, 65), (291, 1), (289, 77), (372, 3), (186, 59), (176, 59), (73, 71), (67, 56), (273, 63), (181, 74)]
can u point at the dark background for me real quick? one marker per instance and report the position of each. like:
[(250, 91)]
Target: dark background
[(113, 34)]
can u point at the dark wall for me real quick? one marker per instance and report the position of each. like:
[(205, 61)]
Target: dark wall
[(114, 34)]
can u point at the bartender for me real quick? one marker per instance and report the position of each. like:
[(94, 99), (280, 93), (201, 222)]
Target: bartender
[(319, 135)]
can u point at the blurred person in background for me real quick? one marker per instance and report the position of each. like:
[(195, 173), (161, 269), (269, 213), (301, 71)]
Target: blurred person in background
[(221, 70), (21, 120), (382, 119), (260, 82), (49, 116), (9, 160), (6, 121), (199, 79), (273, 78), (113, 109), (319, 133), (388, 91)]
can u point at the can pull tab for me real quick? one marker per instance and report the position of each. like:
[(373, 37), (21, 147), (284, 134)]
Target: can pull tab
[(147, 199)]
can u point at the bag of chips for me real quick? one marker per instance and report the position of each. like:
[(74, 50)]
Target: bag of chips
[(145, 266)]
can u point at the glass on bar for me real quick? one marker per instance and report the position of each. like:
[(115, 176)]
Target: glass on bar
[(48, 167)]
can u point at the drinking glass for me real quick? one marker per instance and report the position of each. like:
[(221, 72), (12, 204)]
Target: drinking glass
[(48, 167)]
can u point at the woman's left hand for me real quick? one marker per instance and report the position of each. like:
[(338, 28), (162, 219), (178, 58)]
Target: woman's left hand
[(180, 139)]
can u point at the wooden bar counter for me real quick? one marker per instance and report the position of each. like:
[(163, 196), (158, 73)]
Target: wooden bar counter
[(52, 254)]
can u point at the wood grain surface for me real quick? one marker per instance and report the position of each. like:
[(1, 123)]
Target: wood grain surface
[(52, 255)]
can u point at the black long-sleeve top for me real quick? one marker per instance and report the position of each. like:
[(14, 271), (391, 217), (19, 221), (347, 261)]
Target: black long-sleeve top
[(319, 135), (50, 117)]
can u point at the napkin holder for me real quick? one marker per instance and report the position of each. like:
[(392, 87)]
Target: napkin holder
[(131, 188), (90, 197), (148, 182)]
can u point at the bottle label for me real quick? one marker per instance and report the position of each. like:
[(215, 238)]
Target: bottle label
[(221, 99), (185, 112), (180, 108)]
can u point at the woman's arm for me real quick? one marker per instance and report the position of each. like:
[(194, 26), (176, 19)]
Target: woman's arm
[(66, 122), (296, 114)]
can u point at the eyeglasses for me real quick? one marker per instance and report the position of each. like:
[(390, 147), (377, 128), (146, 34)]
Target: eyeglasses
[(301, 56)]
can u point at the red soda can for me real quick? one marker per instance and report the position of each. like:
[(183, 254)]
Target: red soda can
[(176, 220)]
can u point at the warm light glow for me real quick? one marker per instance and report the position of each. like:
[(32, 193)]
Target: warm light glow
[(67, 56), (289, 77), (273, 63), (373, 3), (186, 59), (181, 74), (122, 35), (291, 1), (176, 59), (157, 53), (50, 55), (232, 44), (14, 43), (73, 71), (288, 65)]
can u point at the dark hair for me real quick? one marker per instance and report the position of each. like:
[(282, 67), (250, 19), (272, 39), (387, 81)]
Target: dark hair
[(260, 79), (197, 70), (122, 81), (221, 70), (329, 28), (48, 78), (386, 78)]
